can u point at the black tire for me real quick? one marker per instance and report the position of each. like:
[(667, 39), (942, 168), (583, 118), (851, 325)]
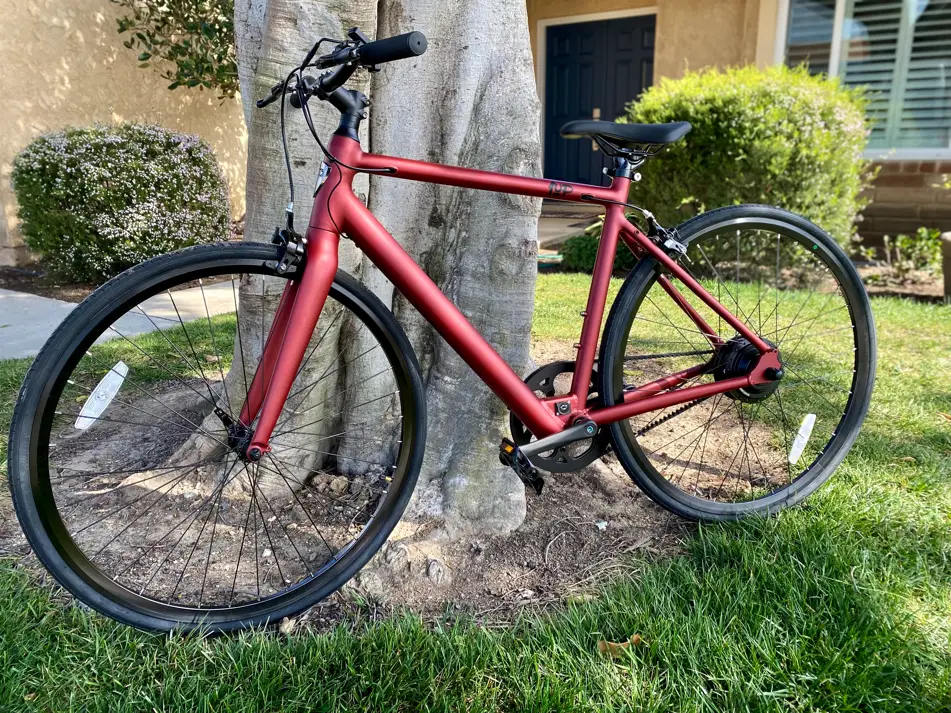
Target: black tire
[(29, 469), (642, 466)]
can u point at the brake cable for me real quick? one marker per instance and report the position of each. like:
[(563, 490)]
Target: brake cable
[(308, 118), (289, 211)]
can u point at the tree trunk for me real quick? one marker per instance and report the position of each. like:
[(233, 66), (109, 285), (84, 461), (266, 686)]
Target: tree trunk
[(272, 37), (469, 101), (265, 56)]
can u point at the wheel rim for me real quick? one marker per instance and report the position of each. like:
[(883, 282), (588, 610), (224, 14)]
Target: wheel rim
[(212, 538), (731, 453)]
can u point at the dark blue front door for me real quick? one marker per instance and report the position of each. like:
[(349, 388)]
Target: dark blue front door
[(592, 69)]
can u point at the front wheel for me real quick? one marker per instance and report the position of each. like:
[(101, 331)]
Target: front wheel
[(757, 450), (130, 486)]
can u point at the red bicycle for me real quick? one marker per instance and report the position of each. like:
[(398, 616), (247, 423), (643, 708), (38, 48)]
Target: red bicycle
[(177, 462)]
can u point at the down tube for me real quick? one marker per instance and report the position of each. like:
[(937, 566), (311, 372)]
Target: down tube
[(371, 237)]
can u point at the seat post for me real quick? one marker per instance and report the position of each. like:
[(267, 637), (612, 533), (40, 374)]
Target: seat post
[(625, 163)]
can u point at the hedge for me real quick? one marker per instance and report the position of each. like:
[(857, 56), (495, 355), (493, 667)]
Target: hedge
[(777, 136), (96, 200)]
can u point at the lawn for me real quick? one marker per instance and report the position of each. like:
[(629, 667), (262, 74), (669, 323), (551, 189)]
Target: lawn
[(841, 605)]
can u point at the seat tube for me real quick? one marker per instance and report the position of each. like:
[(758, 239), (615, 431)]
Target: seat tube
[(319, 271), (597, 297)]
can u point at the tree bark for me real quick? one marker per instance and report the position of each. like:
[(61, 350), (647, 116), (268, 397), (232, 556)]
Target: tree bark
[(469, 101)]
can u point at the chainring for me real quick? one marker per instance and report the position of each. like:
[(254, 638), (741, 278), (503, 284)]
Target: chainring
[(574, 456)]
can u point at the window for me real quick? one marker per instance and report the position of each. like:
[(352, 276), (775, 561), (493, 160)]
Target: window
[(899, 49)]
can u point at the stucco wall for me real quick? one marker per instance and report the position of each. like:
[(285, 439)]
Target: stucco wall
[(64, 64), (691, 34)]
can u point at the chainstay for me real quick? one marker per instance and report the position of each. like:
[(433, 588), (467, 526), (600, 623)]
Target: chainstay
[(646, 357), (664, 419)]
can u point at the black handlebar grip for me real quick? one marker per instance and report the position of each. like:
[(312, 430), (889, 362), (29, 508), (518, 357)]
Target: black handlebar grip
[(412, 44)]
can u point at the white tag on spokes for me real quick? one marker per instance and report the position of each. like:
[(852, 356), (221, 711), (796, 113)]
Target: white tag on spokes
[(102, 396), (802, 438)]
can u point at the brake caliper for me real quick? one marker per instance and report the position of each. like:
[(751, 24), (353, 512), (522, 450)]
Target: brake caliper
[(292, 253)]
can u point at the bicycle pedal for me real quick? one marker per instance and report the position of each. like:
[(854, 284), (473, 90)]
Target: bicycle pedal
[(510, 455)]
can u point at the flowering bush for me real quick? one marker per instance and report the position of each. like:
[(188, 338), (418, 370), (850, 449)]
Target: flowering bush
[(777, 136), (94, 201)]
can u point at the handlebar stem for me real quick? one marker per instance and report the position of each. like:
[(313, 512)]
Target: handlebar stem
[(352, 106)]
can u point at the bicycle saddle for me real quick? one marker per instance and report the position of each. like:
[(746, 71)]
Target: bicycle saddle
[(626, 135)]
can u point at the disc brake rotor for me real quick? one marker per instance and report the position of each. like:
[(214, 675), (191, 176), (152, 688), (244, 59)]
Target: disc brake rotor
[(576, 455)]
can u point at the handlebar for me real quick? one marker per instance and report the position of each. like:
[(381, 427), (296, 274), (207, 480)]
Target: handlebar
[(347, 57), (412, 44)]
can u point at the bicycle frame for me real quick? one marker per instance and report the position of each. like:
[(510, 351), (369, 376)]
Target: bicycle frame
[(337, 210)]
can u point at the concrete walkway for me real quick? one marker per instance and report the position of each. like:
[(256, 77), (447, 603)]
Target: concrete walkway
[(27, 321), (560, 221)]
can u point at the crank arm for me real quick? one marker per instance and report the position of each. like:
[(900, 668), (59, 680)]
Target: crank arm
[(578, 432)]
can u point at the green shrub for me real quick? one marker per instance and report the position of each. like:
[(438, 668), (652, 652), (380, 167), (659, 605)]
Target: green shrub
[(579, 253), (907, 254), (777, 136), (94, 201)]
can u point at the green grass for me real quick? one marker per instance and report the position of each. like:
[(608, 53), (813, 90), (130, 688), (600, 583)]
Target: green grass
[(843, 604)]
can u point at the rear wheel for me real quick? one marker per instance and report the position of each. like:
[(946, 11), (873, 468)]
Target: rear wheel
[(757, 450), (130, 486)]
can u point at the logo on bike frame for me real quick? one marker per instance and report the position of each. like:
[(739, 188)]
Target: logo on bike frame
[(559, 189)]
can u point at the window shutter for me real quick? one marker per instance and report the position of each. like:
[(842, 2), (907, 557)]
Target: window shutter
[(900, 50), (809, 34), (870, 48), (925, 116)]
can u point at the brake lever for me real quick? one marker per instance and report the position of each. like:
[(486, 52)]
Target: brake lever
[(359, 38), (276, 91), (304, 90), (339, 56)]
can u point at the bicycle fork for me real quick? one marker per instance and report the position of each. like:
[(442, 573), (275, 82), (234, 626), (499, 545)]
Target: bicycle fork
[(294, 322)]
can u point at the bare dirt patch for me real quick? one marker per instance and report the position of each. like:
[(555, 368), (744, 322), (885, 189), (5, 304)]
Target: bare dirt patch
[(34, 280), (579, 532), (920, 285)]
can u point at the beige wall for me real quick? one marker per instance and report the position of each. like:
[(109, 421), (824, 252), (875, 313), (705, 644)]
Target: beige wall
[(691, 34), (64, 64)]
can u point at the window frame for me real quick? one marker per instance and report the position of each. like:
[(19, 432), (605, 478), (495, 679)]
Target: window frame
[(835, 56)]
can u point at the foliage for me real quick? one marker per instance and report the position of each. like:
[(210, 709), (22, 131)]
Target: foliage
[(195, 36), (777, 136), (907, 254), (579, 253), (96, 200)]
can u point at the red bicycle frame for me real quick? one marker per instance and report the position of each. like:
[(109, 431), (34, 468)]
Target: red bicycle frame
[(339, 211)]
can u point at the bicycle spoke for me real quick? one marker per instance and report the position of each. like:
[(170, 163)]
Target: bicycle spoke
[(167, 370), (336, 395), (339, 413), (252, 477), (237, 338), (737, 451), (216, 508), (189, 340), (154, 495), (211, 396), (300, 504), (214, 345)]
